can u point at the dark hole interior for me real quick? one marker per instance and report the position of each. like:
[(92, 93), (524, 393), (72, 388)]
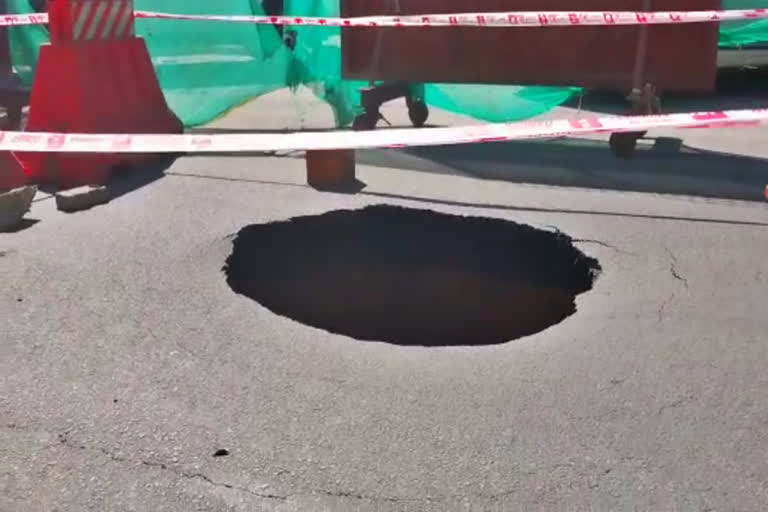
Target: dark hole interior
[(411, 277)]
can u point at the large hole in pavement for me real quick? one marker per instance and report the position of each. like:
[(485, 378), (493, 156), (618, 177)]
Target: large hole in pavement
[(411, 277)]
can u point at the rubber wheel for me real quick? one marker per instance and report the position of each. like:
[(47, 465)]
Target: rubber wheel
[(366, 121), (623, 144), (418, 113)]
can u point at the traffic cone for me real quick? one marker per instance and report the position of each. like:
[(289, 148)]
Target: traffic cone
[(95, 76)]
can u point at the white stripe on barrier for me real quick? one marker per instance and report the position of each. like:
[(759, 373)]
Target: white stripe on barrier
[(125, 27), (145, 143), (80, 12), (107, 24), (498, 19), (96, 18)]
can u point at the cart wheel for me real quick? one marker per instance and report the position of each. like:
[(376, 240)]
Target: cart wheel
[(623, 144), (418, 113), (366, 121)]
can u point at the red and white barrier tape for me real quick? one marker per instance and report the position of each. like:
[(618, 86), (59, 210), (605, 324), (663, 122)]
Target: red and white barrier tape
[(138, 143), (488, 19), (9, 20)]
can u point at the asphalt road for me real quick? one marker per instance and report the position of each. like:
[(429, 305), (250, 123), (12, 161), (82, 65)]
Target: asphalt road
[(127, 361)]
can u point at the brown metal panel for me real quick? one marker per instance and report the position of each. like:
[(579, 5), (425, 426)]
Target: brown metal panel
[(678, 58)]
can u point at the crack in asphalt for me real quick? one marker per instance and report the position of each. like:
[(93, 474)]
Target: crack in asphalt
[(677, 403), (65, 441), (357, 496), (209, 480), (673, 268), (677, 276), (15, 427), (589, 241), (601, 244), (663, 306), (390, 499)]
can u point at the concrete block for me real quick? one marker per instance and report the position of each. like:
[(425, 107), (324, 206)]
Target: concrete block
[(14, 204), (81, 198)]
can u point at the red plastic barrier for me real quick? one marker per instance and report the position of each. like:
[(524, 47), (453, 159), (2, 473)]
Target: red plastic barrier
[(11, 172), (96, 76)]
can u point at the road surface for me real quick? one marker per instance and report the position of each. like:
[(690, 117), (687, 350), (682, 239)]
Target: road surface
[(128, 362)]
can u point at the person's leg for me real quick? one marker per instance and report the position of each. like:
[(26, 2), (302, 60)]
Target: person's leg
[(38, 5), (274, 8)]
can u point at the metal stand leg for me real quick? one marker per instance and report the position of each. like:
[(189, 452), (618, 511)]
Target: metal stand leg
[(643, 98), (644, 102), (373, 96)]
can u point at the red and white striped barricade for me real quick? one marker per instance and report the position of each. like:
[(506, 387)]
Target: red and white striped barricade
[(95, 76)]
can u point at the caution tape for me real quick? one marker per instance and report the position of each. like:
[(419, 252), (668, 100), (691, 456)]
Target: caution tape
[(9, 20), (388, 138), (487, 19)]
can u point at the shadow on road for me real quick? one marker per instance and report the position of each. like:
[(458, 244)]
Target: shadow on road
[(23, 225), (126, 181), (661, 165), (600, 213)]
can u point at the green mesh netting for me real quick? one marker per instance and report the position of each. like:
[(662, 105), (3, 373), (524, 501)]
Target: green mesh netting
[(207, 68), (738, 34)]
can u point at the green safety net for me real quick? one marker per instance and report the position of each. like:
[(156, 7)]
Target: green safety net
[(207, 68), (740, 34)]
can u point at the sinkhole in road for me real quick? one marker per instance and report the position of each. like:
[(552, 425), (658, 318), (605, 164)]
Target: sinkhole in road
[(410, 276)]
